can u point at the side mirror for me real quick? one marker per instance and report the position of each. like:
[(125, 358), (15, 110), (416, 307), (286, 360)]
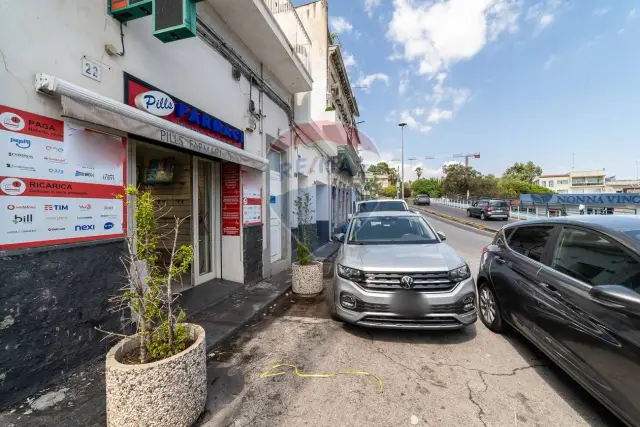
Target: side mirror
[(338, 237), (616, 297), (349, 217), (441, 235)]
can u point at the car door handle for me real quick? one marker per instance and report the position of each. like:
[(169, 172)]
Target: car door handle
[(551, 290), (500, 260)]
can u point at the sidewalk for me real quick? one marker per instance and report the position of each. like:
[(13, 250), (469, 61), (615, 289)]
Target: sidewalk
[(79, 398)]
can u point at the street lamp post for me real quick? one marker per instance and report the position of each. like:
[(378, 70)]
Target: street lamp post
[(402, 125)]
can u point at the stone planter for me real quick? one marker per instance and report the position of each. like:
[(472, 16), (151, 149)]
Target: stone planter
[(170, 392), (307, 279)]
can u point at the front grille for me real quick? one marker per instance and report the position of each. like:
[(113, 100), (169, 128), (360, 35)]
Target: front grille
[(437, 281), (435, 309), (409, 322)]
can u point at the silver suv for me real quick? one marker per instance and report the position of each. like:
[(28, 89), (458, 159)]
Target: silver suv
[(393, 271)]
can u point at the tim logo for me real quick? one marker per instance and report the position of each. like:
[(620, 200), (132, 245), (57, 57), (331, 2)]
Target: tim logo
[(56, 207)]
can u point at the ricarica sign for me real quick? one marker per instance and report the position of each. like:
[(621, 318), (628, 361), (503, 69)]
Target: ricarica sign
[(42, 201)]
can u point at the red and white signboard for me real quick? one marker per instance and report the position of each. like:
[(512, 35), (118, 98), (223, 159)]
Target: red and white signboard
[(231, 199), (58, 182), (251, 199)]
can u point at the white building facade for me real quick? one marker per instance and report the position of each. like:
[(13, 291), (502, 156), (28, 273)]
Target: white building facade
[(196, 113)]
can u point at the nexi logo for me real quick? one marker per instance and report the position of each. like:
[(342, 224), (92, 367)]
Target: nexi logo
[(86, 207), (56, 170), (155, 102), (56, 149), (108, 177), (85, 227), (12, 186), (57, 229), (87, 174), (55, 160), (108, 225), (26, 219), (11, 121), (24, 156), (21, 167), (21, 143), (13, 207), (56, 207)]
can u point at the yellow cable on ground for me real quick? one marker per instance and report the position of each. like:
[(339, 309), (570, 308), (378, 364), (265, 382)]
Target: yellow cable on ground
[(269, 373)]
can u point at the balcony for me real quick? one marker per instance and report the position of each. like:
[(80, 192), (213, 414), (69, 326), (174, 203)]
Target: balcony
[(272, 30), (349, 161)]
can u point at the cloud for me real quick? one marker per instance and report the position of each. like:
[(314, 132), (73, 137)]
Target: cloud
[(404, 82), (367, 81), (370, 6), (550, 61), (542, 14), (349, 61), (437, 35), (601, 12), (409, 117), (632, 14), (436, 115), (339, 25)]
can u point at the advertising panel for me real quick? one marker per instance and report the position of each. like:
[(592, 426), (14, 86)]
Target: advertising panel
[(58, 182), (251, 199), (230, 199)]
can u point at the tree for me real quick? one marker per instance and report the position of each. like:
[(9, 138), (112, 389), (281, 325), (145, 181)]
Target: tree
[(459, 179), (511, 187), (523, 171), (380, 169), (372, 187), (393, 176), (419, 171), (407, 190), (390, 191), (431, 186)]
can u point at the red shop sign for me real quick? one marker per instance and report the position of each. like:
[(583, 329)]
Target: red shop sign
[(231, 221)]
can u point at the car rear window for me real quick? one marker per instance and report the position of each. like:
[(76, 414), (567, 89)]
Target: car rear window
[(498, 203), (382, 206)]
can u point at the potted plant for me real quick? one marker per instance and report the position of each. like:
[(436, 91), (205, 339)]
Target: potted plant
[(156, 377), (306, 272)]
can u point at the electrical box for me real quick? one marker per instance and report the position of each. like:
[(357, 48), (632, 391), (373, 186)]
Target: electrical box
[(174, 19), (127, 10)]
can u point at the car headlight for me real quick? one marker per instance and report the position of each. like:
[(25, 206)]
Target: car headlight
[(350, 273), (460, 274)]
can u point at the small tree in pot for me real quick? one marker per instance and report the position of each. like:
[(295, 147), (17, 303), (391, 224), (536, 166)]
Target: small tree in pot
[(165, 360), (306, 272)]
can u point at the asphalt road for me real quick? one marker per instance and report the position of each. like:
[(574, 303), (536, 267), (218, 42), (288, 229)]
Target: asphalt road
[(465, 378), (462, 213)]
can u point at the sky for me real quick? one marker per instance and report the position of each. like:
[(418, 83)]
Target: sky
[(516, 80)]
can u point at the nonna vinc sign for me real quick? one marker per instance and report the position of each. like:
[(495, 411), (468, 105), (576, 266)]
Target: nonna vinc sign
[(147, 98)]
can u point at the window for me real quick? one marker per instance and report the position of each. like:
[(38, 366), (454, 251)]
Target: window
[(395, 230), (594, 260), (530, 241), (382, 206), (498, 203), (551, 184), (563, 182), (543, 183)]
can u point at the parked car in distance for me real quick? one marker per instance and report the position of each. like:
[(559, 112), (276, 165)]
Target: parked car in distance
[(487, 209), (422, 199), (571, 285), (393, 271)]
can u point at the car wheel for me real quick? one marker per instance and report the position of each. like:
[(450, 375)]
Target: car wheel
[(468, 213), (489, 311), (330, 295), (483, 216)]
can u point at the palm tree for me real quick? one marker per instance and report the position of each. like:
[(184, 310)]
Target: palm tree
[(393, 176), (419, 171)]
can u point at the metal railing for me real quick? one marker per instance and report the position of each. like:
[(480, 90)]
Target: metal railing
[(285, 14), (537, 212)]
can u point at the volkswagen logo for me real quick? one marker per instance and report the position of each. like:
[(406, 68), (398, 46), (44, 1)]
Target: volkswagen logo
[(406, 282)]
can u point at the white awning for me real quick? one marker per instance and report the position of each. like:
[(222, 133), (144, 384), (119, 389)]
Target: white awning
[(88, 106)]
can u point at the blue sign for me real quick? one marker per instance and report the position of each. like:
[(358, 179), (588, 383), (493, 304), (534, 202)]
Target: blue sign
[(603, 199), (272, 199)]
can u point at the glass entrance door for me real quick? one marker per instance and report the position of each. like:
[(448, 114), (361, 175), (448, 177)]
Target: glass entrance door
[(204, 266)]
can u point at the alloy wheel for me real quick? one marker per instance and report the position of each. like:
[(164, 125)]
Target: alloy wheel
[(487, 305)]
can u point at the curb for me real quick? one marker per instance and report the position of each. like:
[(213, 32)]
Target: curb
[(458, 220)]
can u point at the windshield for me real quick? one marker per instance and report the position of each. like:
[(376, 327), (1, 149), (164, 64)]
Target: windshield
[(634, 234), (423, 197), (391, 230), (394, 205)]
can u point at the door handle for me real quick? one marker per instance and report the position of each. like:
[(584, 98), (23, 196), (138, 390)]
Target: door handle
[(500, 260), (551, 290)]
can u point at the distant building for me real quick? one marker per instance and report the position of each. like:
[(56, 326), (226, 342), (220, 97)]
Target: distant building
[(574, 182), (622, 186)]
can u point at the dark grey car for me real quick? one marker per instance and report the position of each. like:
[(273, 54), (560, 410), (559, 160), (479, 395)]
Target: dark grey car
[(572, 286), (486, 209)]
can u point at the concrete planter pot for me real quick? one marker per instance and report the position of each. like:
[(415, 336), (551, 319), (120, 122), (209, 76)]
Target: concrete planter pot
[(170, 392), (307, 279)]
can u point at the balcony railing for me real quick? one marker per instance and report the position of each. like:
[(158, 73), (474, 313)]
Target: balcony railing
[(291, 25)]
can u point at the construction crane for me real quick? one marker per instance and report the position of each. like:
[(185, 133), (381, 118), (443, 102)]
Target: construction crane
[(467, 157)]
